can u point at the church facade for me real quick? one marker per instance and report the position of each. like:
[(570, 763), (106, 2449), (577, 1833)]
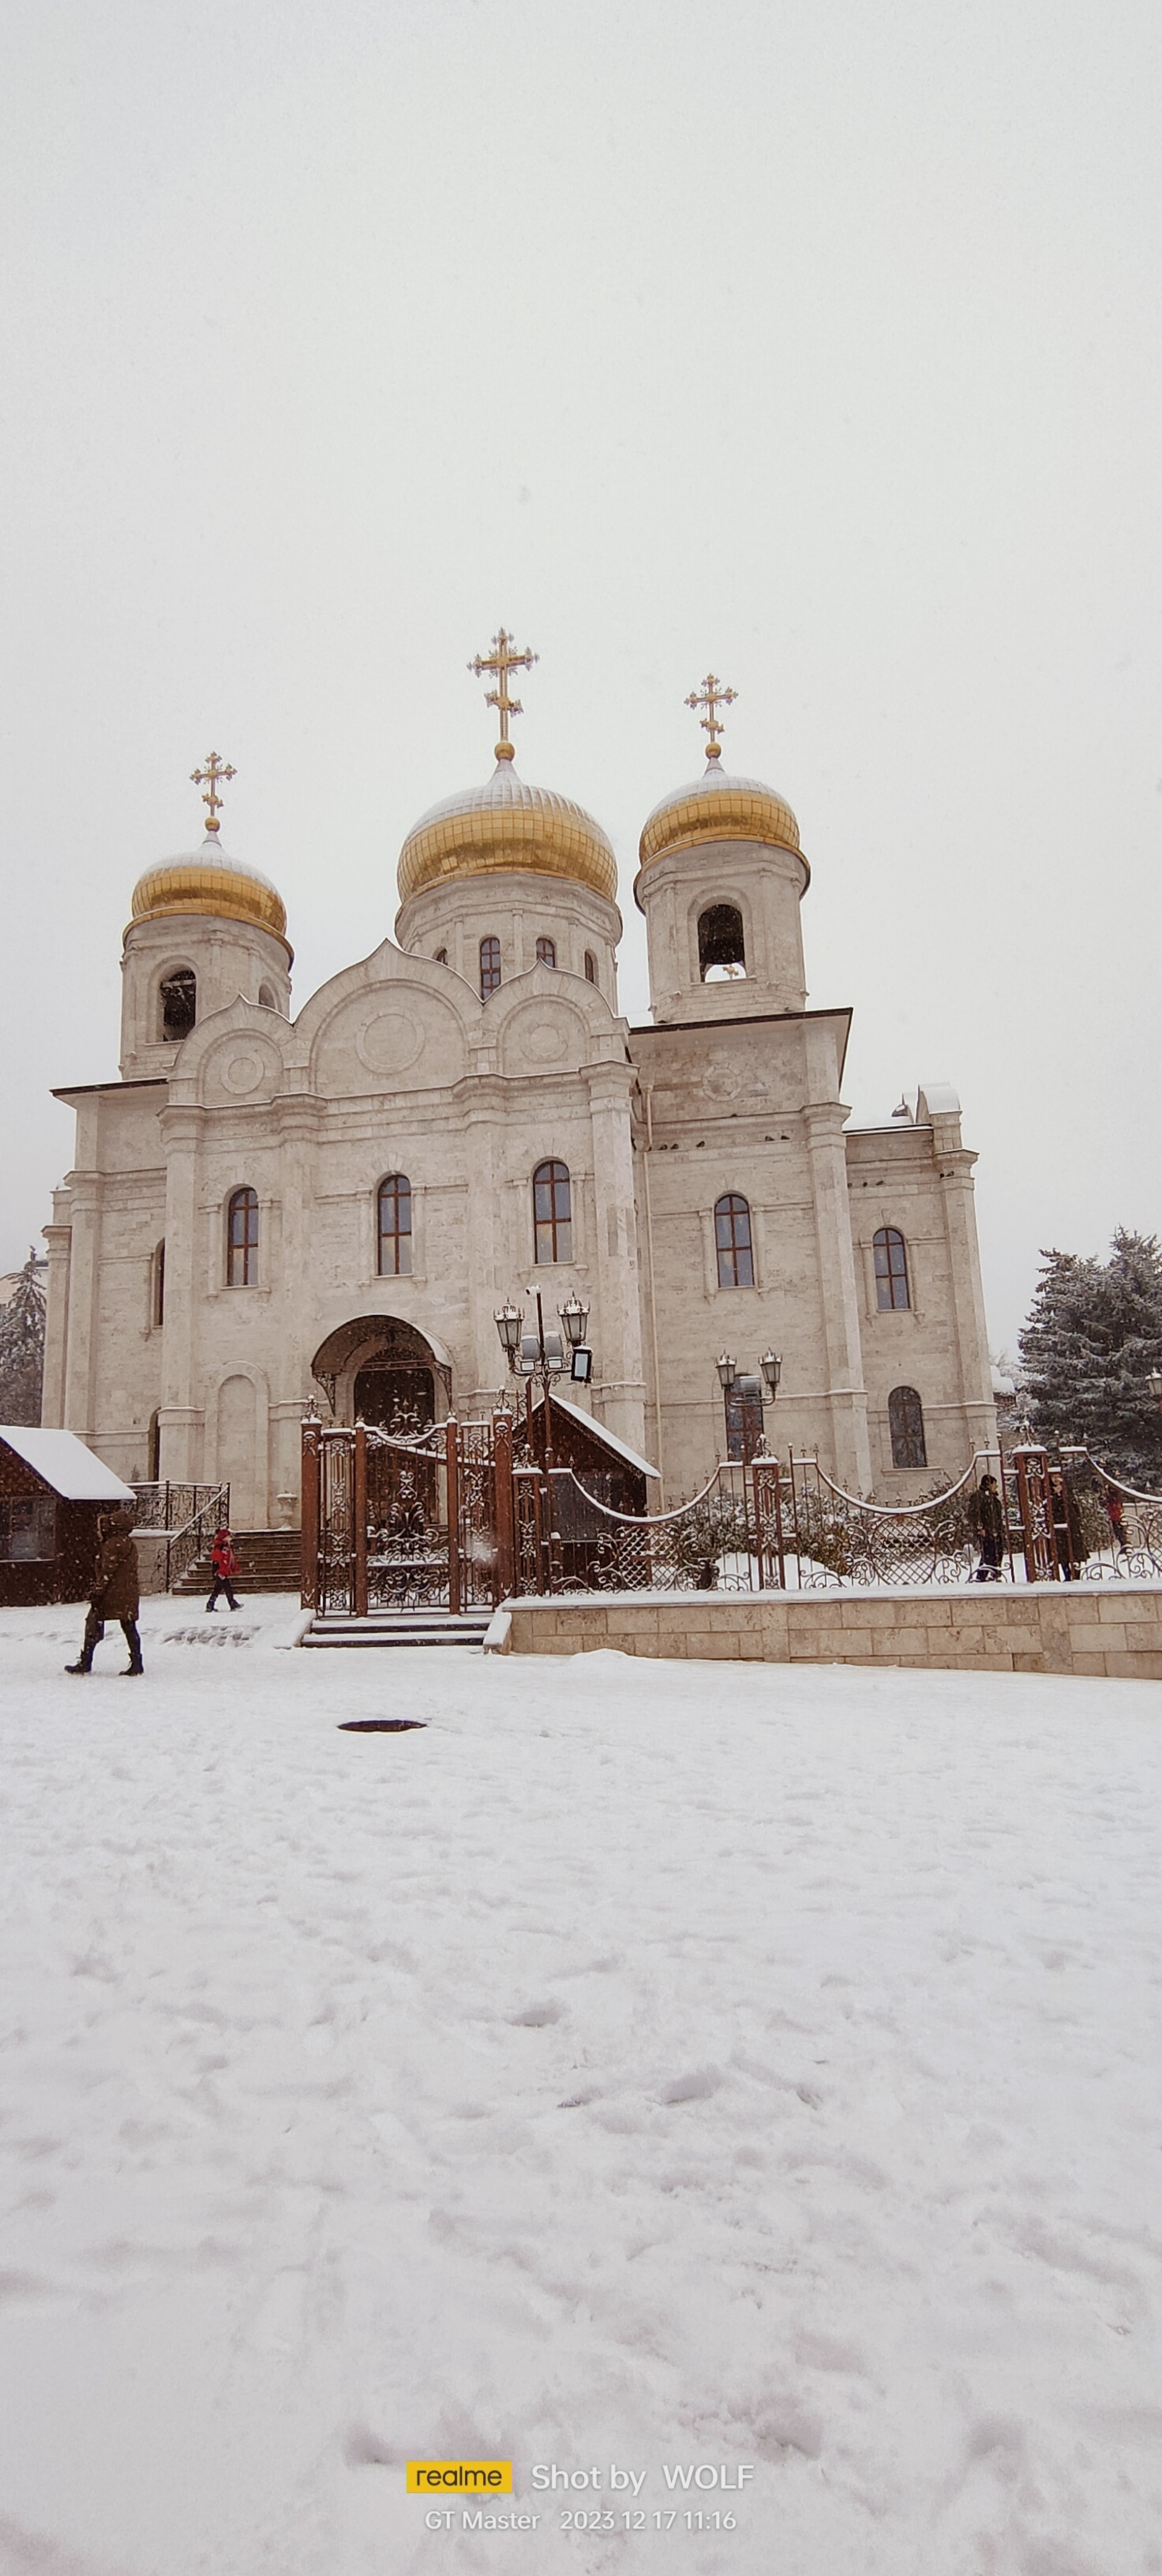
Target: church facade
[(267, 1209)]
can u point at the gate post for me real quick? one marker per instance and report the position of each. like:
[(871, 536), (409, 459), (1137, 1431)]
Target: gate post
[(359, 1515), (309, 1570), (452, 1453), (1041, 1564), (503, 1509)]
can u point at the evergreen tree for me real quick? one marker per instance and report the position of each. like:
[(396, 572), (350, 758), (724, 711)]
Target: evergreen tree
[(1093, 1336), (22, 1348)]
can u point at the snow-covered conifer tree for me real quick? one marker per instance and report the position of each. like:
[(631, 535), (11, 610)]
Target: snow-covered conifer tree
[(1093, 1336), (22, 1348)]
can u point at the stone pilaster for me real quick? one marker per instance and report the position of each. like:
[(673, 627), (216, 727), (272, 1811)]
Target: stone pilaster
[(619, 1389), (846, 1398)]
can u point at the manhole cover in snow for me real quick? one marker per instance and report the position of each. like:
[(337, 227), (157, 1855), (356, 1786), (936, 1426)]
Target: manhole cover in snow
[(379, 1725)]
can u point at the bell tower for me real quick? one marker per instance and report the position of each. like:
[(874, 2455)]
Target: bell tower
[(720, 882)]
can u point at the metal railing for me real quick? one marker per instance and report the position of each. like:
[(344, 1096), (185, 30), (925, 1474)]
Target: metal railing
[(775, 1526), (186, 1515)]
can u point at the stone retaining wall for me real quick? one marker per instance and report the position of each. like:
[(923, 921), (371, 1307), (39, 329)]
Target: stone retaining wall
[(1109, 1628)]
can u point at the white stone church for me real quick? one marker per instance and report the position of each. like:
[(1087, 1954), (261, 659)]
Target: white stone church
[(268, 1209)]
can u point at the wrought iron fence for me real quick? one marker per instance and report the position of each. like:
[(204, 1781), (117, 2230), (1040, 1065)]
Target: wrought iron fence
[(166, 1506), (185, 1545), (789, 1526), (451, 1518)]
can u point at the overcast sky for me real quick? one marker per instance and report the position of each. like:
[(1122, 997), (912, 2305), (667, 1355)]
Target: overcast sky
[(815, 343)]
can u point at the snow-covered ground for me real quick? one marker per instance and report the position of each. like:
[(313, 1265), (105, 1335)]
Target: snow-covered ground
[(652, 2064)]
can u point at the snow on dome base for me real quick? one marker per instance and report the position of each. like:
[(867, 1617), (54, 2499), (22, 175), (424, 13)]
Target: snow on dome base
[(506, 824)]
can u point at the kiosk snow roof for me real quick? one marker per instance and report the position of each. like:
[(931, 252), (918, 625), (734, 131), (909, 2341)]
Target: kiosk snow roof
[(63, 1463)]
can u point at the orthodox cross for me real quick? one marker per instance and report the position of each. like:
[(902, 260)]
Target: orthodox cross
[(712, 696), (214, 770), (501, 661)]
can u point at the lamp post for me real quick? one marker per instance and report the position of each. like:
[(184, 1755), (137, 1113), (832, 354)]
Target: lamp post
[(542, 1355), (770, 1370)]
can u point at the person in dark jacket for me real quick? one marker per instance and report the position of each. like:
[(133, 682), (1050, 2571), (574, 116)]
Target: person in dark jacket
[(989, 1518), (225, 1567), (116, 1594), (1067, 1531)]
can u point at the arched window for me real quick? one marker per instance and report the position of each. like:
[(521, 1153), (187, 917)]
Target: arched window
[(179, 1003), (553, 1212), (154, 1449), (489, 967), (441, 956), (721, 949), (733, 1240), (906, 1424), (266, 999), (395, 1226), (590, 967), (159, 1283), (546, 952), (242, 1240), (891, 1269)]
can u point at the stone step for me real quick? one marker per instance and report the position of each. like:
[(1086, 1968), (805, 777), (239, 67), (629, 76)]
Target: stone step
[(268, 1561), (400, 1628)]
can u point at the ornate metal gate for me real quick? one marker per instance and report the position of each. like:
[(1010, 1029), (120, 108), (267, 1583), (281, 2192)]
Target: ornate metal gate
[(397, 1524)]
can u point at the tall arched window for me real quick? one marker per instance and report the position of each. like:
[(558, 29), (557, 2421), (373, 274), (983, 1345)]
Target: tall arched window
[(546, 952), (489, 967), (553, 1212), (733, 1240), (721, 949), (590, 967), (242, 1240), (159, 1283), (179, 1003), (395, 1226), (891, 1268), (906, 1424)]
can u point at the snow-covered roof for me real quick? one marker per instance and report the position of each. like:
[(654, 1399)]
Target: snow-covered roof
[(609, 1438), (66, 1465), (936, 1100), (1002, 1384)]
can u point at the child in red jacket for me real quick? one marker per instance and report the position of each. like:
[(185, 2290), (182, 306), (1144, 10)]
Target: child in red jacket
[(225, 1565)]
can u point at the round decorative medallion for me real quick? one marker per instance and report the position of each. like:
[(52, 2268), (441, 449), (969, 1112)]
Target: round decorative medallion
[(545, 1042), (243, 1073), (389, 1043)]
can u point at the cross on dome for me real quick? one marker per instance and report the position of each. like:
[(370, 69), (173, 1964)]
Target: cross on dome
[(712, 696), (214, 770), (501, 661)]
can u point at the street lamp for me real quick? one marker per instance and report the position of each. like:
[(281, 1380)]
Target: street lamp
[(509, 1320), (574, 1318), (771, 1368)]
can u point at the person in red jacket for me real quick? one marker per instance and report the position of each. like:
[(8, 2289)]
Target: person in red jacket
[(225, 1565)]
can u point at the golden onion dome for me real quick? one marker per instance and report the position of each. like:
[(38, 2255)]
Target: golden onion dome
[(718, 807), (506, 825), (208, 881)]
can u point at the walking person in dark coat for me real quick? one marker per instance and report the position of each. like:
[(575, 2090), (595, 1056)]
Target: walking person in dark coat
[(116, 1594), (225, 1567), (989, 1517)]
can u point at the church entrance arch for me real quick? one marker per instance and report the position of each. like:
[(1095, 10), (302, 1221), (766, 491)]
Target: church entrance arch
[(380, 1370)]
